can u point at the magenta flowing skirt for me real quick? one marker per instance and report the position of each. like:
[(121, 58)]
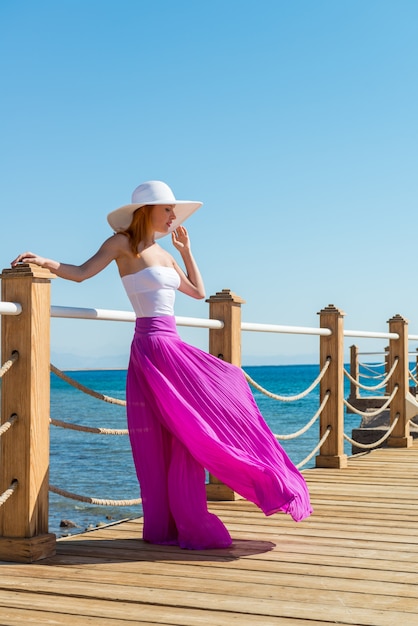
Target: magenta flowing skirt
[(189, 411)]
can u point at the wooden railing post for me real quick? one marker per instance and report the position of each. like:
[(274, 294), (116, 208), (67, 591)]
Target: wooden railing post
[(398, 348), (224, 343), (387, 368), (24, 453), (332, 450), (354, 371)]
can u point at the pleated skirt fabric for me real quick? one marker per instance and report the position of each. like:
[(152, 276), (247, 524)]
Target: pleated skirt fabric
[(189, 411)]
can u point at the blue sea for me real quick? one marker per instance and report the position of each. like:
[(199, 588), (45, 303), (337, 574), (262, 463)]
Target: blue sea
[(101, 466)]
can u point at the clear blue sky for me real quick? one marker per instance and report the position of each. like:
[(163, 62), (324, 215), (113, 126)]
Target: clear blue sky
[(296, 123)]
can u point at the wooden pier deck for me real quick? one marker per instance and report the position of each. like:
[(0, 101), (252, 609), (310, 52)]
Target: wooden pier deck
[(355, 561)]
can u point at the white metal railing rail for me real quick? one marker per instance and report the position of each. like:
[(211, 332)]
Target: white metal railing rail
[(372, 335), (10, 308), (380, 353), (125, 316), (14, 308), (129, 316), (276, 328)]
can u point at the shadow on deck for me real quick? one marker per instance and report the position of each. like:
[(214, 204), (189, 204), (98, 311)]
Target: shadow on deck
[(354, 561)]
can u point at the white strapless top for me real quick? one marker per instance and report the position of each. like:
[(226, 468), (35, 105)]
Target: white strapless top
[(152, 291)]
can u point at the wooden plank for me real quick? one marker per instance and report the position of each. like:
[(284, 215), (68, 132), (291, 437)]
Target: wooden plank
[(246, 599), (292, 554), (265, 579), (66, 611)]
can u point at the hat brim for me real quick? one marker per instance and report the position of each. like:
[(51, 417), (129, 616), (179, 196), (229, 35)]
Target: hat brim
[(120, 219)]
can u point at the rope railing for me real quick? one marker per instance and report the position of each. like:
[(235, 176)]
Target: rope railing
[(84, 389), (375, 387), (370, 446), (299, 396), (108, 431), (96, 501), (8, 492), (373, 413), (412, 377), (7, 424), (89, 429), (375, 375), (372, 369), (315, 450), (307, 426), (379, 376), (8, 364)]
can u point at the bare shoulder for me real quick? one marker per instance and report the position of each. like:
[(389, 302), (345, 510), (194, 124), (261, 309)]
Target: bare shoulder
[(118, 243)]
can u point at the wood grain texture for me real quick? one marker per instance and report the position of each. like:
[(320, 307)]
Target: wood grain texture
[(354, 561)]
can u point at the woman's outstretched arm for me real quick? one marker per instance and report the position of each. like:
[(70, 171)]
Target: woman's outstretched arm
[(108, 251)]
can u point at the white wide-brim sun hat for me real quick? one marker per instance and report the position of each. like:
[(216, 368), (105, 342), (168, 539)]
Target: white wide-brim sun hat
[(152, 192)]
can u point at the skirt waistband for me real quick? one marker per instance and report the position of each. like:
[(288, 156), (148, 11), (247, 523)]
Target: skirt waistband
[(150, 325)]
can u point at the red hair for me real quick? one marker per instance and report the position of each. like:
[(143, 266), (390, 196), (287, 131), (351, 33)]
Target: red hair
[(140, 228)]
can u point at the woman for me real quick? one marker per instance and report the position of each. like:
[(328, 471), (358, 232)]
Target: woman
[(186, 409)]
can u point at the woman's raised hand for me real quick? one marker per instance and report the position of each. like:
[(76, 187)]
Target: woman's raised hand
[(180, 239)]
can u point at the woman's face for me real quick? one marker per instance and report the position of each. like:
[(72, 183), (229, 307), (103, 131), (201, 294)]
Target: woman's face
[(162, 216)]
